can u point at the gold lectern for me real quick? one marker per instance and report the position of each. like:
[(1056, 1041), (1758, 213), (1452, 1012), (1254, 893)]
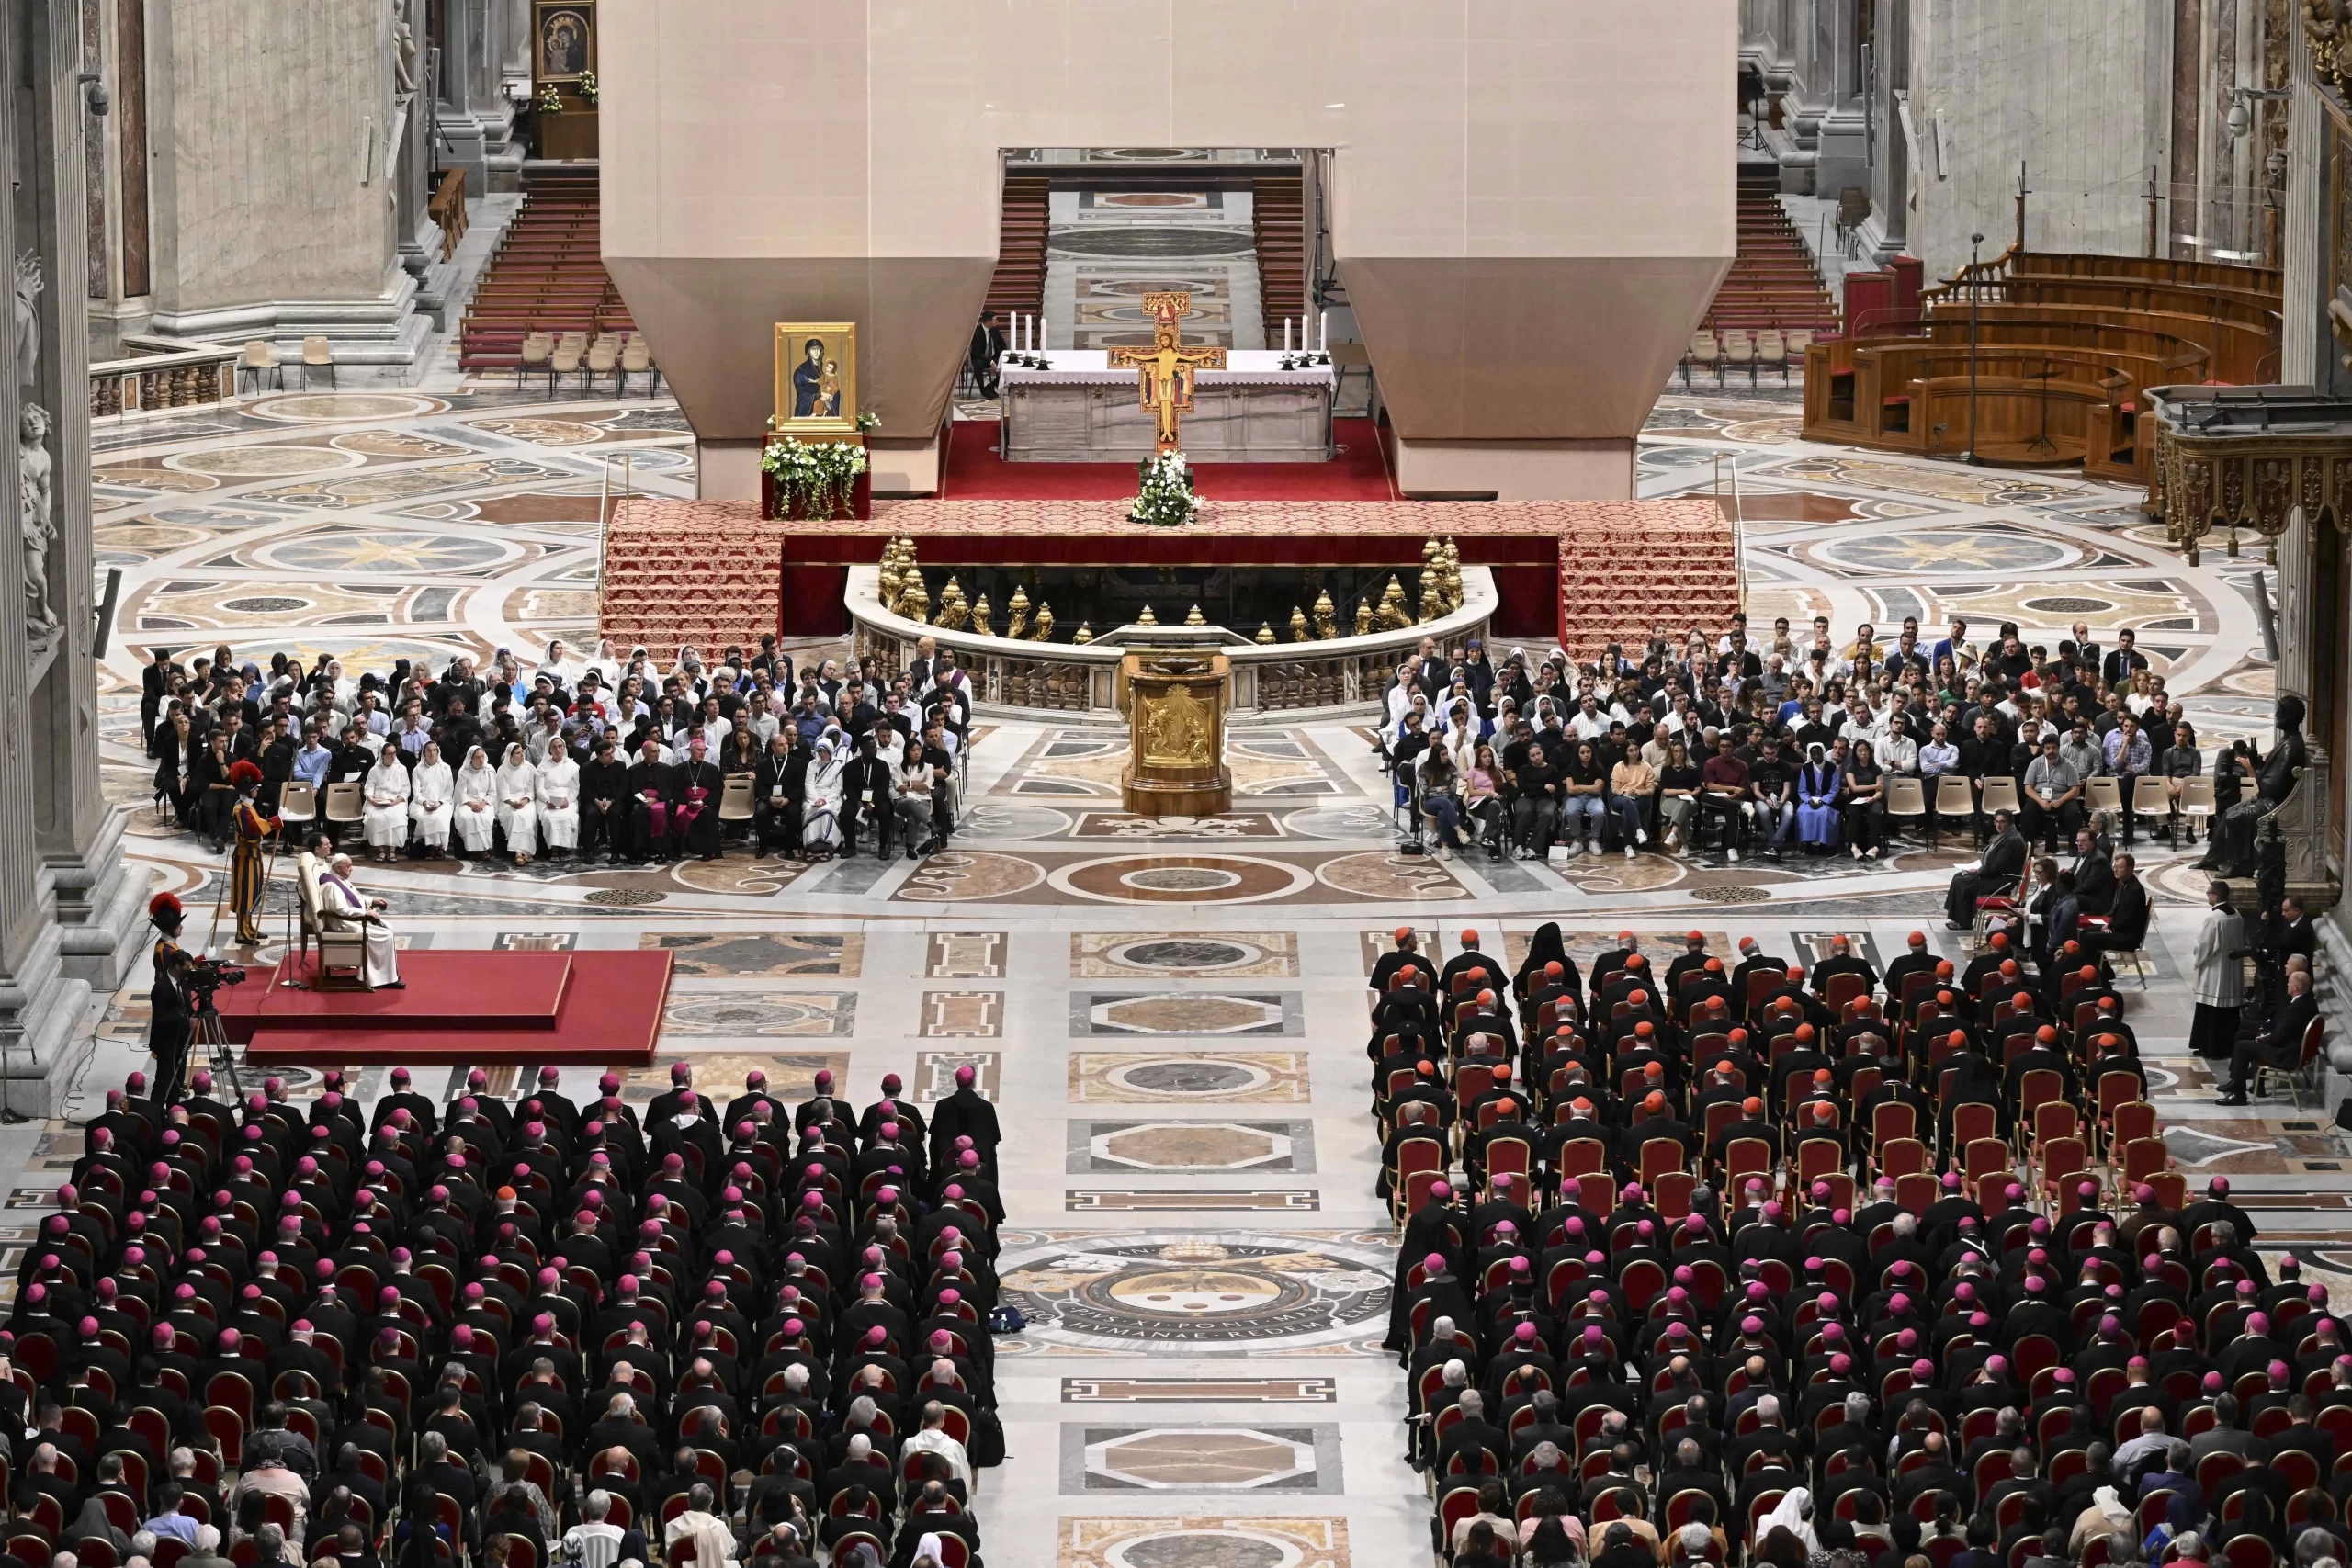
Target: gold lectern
[(1175, 706)]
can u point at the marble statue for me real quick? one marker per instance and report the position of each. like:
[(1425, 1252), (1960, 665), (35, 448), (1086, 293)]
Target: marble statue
[(2232, 848), (28, 293), (403, 54), (34, 517)]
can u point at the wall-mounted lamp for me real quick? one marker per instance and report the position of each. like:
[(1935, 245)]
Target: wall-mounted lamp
[(95, 96)]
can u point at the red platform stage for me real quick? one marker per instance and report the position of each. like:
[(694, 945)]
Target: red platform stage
[(463, 1009)]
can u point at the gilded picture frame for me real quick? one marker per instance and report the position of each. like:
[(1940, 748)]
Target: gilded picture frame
[(563, 41), (816, 378)]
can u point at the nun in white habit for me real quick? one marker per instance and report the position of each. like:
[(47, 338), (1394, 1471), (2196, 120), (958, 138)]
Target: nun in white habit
[(431, 797), (821, 817), (518, 805), (558, 799), (476, 802), (385, 795)]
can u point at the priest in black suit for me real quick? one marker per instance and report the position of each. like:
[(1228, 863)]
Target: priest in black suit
[(1997, 873), (2279, 1044)]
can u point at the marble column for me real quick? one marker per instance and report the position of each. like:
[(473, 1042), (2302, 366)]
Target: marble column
[(72, 911), (477, 118)]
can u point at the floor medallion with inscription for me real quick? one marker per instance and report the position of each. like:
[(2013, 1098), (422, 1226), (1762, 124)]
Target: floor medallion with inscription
[(1231, 1295)]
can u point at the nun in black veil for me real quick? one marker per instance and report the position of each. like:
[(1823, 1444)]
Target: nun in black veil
[(1545, 947)]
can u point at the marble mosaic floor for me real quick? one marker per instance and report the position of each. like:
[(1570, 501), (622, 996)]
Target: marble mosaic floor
[(1171, 1021), (1106, 250)]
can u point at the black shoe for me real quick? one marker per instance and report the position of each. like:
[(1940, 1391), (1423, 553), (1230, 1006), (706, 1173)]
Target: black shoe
[(2230, 1097), (393, 986)]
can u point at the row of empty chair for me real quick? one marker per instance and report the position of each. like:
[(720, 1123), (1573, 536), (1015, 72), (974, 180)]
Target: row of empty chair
[(548, 277), (557, 355), (1769, 349), (261, 361)]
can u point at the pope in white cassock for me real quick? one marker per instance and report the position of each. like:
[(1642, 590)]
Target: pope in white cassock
[(341, 909)]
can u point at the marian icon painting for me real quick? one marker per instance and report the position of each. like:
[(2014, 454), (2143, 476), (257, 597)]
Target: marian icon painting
[(566, 37), (816, 377)]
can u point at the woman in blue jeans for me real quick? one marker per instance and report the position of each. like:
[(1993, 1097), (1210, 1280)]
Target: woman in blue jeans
[(1438, 805)]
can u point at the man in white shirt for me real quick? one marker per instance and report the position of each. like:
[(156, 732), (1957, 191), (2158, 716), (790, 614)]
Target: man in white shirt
[(343, 908), (592, 1543)]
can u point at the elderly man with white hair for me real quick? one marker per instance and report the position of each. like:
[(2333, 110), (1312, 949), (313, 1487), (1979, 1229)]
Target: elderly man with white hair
[(342, 908)]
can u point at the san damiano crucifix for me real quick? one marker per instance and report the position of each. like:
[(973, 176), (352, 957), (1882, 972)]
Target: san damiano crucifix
[(1168, 365)]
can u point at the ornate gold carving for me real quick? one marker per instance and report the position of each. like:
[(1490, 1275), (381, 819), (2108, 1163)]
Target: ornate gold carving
[(1325, 613), (1177, 729)]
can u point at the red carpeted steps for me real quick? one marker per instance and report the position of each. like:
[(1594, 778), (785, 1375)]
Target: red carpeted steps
[(1773, 281), (548, 275), (461, 1008), (1019, 280), (1278, 215)]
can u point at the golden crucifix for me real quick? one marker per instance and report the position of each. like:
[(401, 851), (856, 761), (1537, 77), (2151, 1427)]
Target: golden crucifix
[(1168, 365)]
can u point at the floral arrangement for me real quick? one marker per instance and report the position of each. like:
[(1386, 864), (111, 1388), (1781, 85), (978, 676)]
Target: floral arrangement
[(586, 88), (815, 478), (1164, 495), (550, 99), (868, 422)]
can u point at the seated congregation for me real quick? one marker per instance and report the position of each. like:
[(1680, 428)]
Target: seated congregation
[(1813, 744), (607, 756), (509, 1332), (1713, 1259)]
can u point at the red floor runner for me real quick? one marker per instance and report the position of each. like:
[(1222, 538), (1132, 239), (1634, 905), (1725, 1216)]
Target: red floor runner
[(610, 1016), (976, 473)]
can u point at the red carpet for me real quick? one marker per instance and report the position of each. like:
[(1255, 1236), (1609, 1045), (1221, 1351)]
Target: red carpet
[(445, 990), (976, 473), (465, 1009)]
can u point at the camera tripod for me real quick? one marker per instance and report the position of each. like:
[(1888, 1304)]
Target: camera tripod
[(210, 1036)]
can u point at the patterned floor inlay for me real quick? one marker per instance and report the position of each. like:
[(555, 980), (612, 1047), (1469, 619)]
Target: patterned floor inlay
[(934, 1077), (770, 1012), (962, 1015), (1203, 1543), (1199, 1391), (1161, 1201), (1184, 955), (1176, 1148), (1229, 1294), (1200, 1077), (1186, 1012), (1199, 1458), (966, 955), (733, 954)]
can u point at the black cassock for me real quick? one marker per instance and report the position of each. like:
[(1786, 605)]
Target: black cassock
[(2003, 862), (603, 807), (962, 1113), (697, 816), (649, 809)]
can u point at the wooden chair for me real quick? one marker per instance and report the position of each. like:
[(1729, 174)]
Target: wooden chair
[(342, 954)]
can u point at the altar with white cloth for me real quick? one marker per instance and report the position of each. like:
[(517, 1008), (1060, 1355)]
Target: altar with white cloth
[(1082, 409)]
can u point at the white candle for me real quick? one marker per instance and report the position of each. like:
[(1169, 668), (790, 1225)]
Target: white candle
[(1323, 336), (1037, 331), (1285, 334)]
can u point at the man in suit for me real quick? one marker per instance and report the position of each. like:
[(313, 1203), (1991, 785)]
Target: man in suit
[(2278, 1045), (1999, 872), (2127, 915), (2117, 666), (866, 798)]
